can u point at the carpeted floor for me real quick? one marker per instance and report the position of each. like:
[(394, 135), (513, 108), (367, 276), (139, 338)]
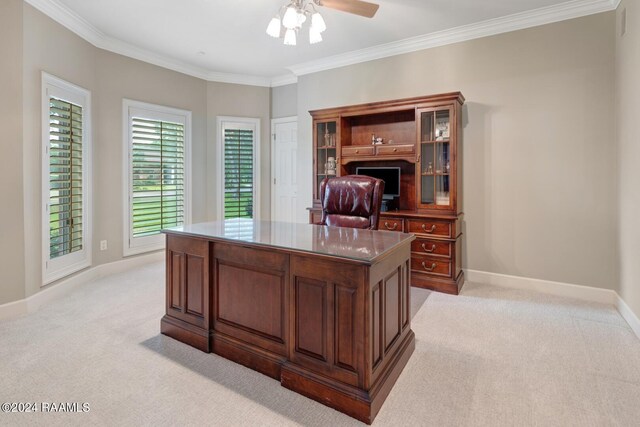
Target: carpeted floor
[(490, 356)]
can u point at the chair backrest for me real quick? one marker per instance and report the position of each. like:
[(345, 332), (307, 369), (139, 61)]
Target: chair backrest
[(351, 201)]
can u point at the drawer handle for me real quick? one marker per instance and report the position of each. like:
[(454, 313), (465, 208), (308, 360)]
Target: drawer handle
[(431, 230), (386, 225), (433, 266), (424, 247), (395, 149), (357, 151)]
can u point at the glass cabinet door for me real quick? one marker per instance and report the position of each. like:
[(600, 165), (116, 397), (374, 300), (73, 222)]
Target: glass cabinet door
[(326, 153), (435, 155)]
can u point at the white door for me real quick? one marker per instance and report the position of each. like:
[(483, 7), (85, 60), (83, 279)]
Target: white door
[(284, 190)]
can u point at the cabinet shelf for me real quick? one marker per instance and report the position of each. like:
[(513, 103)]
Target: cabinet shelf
[(434, 174), (442, 141)]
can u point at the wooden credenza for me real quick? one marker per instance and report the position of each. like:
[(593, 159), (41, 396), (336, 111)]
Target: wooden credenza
[(422, 138), (325, 310)]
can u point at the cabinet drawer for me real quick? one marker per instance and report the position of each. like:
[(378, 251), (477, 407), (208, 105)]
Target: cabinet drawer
[(432, 266), (432, 247), (432, 227), (394, 149), (358, 151), (391, 224)]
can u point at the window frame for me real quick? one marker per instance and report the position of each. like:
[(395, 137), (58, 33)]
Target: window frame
[(65, 265), (229, 121), (138, 245)]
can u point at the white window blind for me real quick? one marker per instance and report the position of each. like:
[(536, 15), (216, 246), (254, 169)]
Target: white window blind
[(66, 175), (157, 144), (158, 176), (65, 178), (238, 172)]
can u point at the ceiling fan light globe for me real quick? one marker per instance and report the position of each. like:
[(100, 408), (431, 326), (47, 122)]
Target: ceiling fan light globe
[(290, 37), (290, 18), (317, 22), (314, 35), (273, 29), (301, 18)]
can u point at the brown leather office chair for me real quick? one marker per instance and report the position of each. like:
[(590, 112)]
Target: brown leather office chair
[(351, 201)]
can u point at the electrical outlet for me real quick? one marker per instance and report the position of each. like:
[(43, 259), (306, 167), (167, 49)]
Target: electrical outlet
[(103, 245)]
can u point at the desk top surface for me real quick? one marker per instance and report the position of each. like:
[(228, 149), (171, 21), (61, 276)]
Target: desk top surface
[(350, 243)]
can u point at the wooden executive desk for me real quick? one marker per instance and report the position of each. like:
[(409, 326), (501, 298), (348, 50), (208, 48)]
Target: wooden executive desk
[(325, 310)]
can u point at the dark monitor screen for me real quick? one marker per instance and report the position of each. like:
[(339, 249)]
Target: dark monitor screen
[(390, 176)]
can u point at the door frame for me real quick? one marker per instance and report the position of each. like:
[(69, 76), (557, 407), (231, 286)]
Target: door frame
[(274, 122)]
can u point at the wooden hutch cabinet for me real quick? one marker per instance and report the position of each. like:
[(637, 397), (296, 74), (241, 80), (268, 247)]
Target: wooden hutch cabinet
[(420, 137)]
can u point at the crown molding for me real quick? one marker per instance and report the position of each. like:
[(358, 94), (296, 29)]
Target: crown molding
[(283, 80), (572, 9), (518, 21), (75, 23)]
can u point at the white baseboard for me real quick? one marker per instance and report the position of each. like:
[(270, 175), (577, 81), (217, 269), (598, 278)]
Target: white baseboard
[(583, 293), (568, 290), (63, 287), (628, 315)]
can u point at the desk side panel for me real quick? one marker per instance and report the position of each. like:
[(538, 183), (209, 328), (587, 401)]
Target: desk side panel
[(327, 318), (187, 291)]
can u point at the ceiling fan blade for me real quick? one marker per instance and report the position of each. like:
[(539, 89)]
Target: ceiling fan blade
[(356, 7)]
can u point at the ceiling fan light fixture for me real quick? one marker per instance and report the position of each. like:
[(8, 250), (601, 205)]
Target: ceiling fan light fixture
[(273, 29), (317, 22), (290, 37), (314, 35), (290, 18)]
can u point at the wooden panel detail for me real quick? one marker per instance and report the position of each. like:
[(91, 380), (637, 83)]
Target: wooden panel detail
[(175, 279), (406, 303), (187, 288), (311, 319), (376, 327), (432, 247), (195, 285), (251, 300), (392, 308), (431, 227), (391, 224), (345, 342)]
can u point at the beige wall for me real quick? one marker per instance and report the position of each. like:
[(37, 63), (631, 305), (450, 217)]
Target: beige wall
[(11, 208), (539, 142), (51, 48), (110, 77), (224, 99), (628, 114), (284, 101), (119, 77)]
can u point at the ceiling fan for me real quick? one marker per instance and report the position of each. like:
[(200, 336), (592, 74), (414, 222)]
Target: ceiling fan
[(357, 7), (296, 13)]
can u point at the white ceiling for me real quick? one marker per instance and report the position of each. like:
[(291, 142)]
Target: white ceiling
[(228, 36)]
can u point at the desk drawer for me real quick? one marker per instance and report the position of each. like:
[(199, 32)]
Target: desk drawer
[(391, 224), (359, 150), (430, 265), (430, 226), (391, 150), (437, 248)]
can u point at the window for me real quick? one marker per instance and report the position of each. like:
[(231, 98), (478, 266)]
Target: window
[(157, 173), (238, 167), (66, 136)]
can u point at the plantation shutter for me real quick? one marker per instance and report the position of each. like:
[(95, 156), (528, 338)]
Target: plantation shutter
[(65, 178), (238, 173), (157, 176)]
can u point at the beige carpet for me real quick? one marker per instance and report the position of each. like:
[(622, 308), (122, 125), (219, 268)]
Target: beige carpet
[(490, 356)]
